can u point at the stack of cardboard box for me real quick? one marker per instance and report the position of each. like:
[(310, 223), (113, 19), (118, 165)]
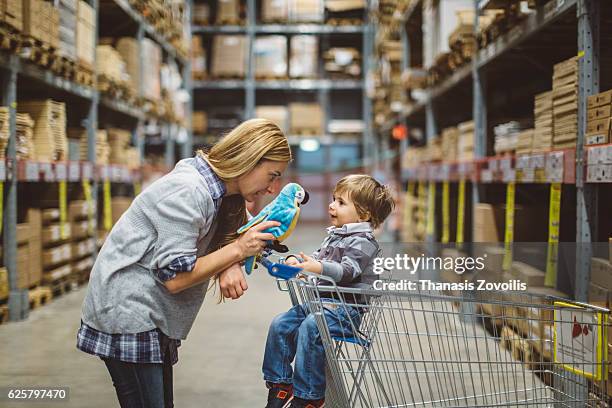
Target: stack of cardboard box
[(201, 14), (306, 11), (306, 119), (4, 130), (198, 59), (277, 114), (270, 56), (56, 250), (85, 35), (128, 49), (110, 64), (199, 122), (228, 12), (565, 103), (151, 79), (342, 62), (119, 141), (524, 143), (599, 119), (32, 14), (465, 144), (81, 221), (229, 56), (11, 13), (49, 117), (25, 137), (68, 27), (119, 205), (450, 140), (275, 11), (304, 61), (543, 114)]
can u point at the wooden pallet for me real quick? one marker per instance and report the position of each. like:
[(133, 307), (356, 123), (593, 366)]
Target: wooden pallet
[(84, 75), (337, 21), (64, 67), (271, 77), (39, 296), (229, 21), (305, 131), (62, 286), (223, 76), (37, 51)]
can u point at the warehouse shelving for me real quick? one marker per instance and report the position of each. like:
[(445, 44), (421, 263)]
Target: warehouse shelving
[(471, 79), (327, 92), (93, 108)]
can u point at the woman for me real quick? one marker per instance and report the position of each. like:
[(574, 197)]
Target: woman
[(151, 275)]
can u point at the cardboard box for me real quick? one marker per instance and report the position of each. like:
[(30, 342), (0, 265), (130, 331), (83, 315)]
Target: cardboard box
[(23, 267), (601, 112), (31, 26), (23, 233), (485, 226), (56, 255), (344, 5), (599, 126), (201, 14), (229, 56), (304, 62), (275, 11), (527, 274), (79, 229), (128, 48), (306, 11), (598, 295), (12, 13), (53, 233), (306, 118), (86, 13), (4, 284), (85, 46), (57, 273), (119, 205), (78, 210), (228, 12), (151, 77), (270, 56), (601, 273), (82, 248), (603, 98), (277, 114), (50, 215), (199, 122)]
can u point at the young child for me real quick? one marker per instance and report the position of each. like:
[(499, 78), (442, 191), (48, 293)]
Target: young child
[(346, 255)]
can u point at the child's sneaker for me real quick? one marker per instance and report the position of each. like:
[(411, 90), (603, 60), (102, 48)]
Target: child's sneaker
[(279, 395), (302, 403)]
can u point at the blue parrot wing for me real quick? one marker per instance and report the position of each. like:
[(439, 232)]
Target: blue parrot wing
[(253, 221)]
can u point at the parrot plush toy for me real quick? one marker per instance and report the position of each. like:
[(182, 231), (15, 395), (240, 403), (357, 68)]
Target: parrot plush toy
[(285, 208)]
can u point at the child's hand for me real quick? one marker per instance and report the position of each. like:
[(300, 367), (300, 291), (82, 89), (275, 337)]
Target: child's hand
[(291, 261), (310, 264)]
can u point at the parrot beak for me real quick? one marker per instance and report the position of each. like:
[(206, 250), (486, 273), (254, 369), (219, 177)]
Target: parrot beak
[(306, 197)]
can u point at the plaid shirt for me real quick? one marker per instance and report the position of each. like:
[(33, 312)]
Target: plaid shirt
[(149, 346)]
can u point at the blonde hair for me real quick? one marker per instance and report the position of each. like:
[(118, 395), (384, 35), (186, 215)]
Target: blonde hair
[(371, 199), (234, 155)]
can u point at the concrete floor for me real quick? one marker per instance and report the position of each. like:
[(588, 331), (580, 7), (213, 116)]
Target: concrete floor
[(219, 364)]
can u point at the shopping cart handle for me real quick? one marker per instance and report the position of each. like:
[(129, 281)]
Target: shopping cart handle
[(279, 270)]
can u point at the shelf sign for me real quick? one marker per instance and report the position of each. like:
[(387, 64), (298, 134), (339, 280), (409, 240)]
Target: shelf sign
[(108, 214), (73, 171), (445, 213), (431, 208), (63, 204), (554, 214), (460, 212), (32, 171), (580, 340), (509, 227), (61, 172)]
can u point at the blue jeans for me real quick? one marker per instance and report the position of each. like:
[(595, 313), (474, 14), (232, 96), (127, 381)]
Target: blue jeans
[(142, 385), (294, 334)]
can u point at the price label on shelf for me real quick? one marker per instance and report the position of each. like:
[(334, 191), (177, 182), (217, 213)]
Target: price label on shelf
[(431, 208), (460, 212), (554, 215), (509, 227), (87, 171), (47, 170), (74, 171), (61, 172), (32, 171), (445, 212)]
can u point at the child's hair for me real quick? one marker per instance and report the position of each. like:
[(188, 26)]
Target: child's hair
[(369, 196)]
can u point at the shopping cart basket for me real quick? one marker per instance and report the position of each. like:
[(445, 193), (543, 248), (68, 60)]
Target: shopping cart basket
[(417, 348)]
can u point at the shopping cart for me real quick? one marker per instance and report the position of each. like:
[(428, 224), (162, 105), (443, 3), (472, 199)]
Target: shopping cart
[(416, 348)]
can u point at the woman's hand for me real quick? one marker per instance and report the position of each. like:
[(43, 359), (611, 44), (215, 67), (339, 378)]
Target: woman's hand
[(310, 264), (254, 240), (232, 282)]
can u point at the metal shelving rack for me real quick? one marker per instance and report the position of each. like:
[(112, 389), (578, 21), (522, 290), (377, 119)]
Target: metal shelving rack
[(14, 172), (322, 87), (587, 16)]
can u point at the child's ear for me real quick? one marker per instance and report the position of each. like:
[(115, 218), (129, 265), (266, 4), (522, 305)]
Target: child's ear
[(365, 217)]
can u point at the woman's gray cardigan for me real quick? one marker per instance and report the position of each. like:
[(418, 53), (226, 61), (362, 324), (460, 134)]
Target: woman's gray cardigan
[(171, 218)]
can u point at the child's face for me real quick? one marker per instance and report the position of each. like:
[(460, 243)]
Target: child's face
[(342, 210)]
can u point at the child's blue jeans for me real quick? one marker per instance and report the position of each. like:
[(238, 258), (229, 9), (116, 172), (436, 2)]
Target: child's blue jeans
[(294, 334)]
